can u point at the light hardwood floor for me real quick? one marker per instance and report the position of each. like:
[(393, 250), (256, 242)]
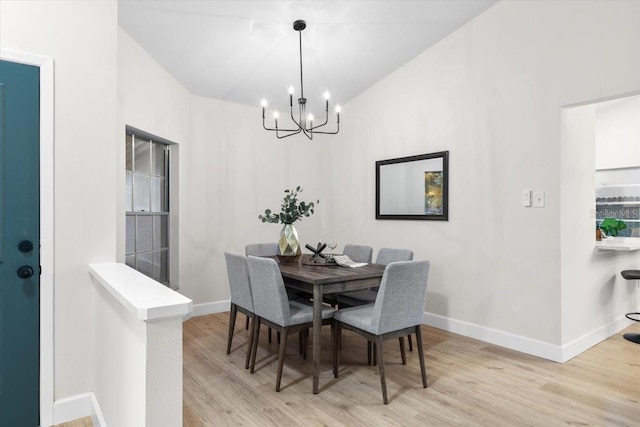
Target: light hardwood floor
[(471, 383), (82, 422)]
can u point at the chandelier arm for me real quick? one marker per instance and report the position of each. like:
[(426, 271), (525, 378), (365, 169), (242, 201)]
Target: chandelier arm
[(294, 120), (330, 133), (295, 133), (326, 120), (326, 113), (282, 130), (288, 135), (277, 129), (326, 116)]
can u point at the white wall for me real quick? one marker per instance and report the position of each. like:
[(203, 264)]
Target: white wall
[(81, 38), (138, 378), (491, 94), (234, 170), (230, 170), (121, 358), (618, 133), (149, 99)]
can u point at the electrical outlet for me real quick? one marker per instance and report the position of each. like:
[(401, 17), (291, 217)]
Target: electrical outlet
[(538, 199), (526, 198)]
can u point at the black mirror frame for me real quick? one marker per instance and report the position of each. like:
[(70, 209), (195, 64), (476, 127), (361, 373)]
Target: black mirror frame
[(444, 155)]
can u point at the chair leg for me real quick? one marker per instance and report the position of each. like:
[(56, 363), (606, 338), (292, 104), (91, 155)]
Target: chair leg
[(283, 348), (423, 370), (300, 342), (403, 353), (250, 341), (246, 326), (278, 337), (256, 335), (383, 381), (305, 345), (337, 334), (369, 352), (375, 355), (333, 337), (269, 335), (410, 342), (232, 324)]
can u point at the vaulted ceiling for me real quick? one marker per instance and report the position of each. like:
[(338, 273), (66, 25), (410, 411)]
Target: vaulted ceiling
[(243, 51)]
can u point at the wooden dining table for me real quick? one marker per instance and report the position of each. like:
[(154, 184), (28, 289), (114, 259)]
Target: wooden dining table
[(320, 280)]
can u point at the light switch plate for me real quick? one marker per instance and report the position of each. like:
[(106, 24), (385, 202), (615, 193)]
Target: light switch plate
[(526, 198), (538, 199)]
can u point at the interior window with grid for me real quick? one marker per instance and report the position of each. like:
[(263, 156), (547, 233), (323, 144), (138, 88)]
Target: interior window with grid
[(147, 207)]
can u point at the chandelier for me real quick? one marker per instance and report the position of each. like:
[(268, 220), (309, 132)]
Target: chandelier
[(304, 122)]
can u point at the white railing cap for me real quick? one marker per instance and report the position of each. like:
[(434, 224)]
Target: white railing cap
[(147, 298)]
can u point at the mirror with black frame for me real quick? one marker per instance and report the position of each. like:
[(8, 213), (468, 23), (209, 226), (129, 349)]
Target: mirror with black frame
[(414, 187)]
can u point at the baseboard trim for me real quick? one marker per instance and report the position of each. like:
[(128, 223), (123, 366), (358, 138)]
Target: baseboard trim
[(76, 407), (96, 414), (588, 340), (545, 350), (210, 308), (71, 408), (494, 336), (530, 346)]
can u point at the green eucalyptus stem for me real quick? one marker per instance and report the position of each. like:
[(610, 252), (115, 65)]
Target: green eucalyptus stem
[(291, 210)]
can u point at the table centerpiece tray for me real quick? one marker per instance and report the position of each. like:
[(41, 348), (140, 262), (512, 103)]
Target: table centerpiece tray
[(327, 261)]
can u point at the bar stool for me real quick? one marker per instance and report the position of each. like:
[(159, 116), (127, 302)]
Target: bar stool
[(632, 275)]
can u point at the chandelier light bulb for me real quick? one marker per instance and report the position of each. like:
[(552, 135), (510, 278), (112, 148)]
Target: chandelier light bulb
[(327, 95), (310, 117), (276, 114), (338, 108), (291, 90), (263, 103)]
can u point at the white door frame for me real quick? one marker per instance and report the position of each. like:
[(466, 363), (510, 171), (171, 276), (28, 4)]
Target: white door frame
[(47, 383)]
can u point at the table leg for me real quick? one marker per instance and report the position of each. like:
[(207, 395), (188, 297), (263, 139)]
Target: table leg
[(317, 335)]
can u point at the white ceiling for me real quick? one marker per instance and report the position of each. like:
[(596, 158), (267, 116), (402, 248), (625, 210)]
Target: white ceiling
[(243, 51)]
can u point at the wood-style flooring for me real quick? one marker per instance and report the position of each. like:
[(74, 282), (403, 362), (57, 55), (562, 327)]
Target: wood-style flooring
[(471, 383)]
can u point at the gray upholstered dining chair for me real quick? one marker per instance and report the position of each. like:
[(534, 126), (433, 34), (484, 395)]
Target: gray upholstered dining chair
[(397, 312), (358, 253), (368, 296), (241, 298), (273, 308), (388, 255), (261, 249), (271, 249)]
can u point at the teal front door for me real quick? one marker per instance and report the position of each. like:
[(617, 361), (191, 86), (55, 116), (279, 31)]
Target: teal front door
[(19, 244)]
